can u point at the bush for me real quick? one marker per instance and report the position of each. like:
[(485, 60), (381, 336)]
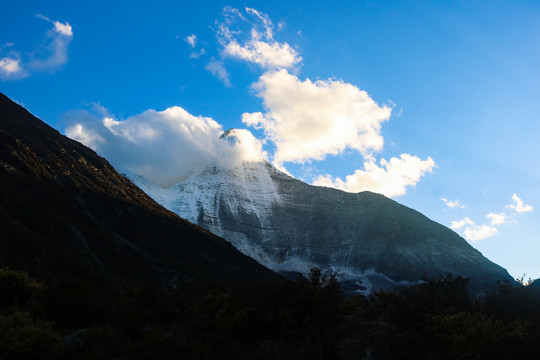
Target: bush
[(17, 289), (24, 337)]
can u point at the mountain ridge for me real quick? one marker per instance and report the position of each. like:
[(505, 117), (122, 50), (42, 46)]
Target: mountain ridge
[(67, 213), (288, 225)]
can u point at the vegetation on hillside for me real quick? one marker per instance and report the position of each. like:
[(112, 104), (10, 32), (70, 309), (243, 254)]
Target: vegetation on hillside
[(306, 319)]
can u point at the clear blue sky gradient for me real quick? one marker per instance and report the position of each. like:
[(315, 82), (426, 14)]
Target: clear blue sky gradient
[(464, 77)]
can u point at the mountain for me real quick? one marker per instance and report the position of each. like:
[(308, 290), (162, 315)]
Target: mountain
[(66, 213), (290, 226)]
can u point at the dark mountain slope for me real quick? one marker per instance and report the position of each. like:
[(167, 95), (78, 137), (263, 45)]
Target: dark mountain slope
[(369, 230), (66, 213)]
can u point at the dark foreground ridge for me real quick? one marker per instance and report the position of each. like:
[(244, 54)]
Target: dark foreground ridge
[(307, 319), (66, 213)]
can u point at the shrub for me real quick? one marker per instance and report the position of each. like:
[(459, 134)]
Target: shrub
[(24, 337), (17, 289)]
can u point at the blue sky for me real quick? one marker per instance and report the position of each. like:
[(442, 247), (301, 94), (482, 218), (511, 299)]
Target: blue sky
[(452, 85)]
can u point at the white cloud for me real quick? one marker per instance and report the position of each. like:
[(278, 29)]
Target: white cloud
[(303, 120), (461, 223), (267, 55), (10, 67), (474, 232), (217, 69), (48, 57), (390, 179), (259, 47), (518, 206), (64, 29), (86, 136), (245, 144), (479, 232), (497, 219), (165, 146), (191, 40), (309, 120), (452, 203)]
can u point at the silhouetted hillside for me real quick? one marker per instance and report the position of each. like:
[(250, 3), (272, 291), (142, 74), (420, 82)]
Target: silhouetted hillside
[(66, 213)]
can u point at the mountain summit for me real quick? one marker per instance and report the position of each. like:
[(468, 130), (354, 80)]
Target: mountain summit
[(66, 213), (290, 226)]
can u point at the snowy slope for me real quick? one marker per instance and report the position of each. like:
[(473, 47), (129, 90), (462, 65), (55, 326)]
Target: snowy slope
[(246, 193), (290, 226)]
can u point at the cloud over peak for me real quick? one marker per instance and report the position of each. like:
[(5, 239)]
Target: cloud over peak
[(217, 69), (165, 146)]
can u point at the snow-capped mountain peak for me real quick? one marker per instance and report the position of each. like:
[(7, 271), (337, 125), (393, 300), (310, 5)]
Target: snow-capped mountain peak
[(290, 226)]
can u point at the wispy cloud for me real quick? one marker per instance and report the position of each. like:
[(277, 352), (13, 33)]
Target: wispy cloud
[(217, 69), (50, 56), (197, 54), (256, 45), (192, 41)]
